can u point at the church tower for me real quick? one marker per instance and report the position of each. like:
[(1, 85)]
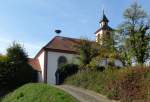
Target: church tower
[(104, 30)]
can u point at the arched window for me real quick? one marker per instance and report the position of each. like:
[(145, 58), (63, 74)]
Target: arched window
[(61, 61)]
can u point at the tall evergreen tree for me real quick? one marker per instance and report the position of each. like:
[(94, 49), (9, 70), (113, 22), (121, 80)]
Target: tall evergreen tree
[(14, 68)]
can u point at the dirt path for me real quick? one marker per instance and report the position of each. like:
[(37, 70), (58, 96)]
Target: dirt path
[(84, 95)]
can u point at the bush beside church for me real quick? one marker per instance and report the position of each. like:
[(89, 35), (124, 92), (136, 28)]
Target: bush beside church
[(14, 69)]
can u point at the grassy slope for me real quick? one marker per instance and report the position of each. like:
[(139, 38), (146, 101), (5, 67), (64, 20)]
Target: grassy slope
[(38, 93), (93, 80), (99, 81)]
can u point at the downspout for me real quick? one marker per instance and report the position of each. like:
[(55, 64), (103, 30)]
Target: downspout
[(45, 66)]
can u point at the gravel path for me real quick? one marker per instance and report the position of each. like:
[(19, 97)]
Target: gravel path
[(84, 95)]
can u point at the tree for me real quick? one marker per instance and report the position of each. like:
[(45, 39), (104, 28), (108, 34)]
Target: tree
[(87, 50), (3, 70), (108, 49), (135, 35), (3, 58), (15, 71), (125, 56), (16, 54)]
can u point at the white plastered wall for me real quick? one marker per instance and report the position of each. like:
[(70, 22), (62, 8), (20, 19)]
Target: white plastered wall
[(53, 64), (99, 36), (117, 63), (41, 62)]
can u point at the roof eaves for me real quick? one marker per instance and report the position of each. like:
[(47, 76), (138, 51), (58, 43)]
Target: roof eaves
[(43, 48)]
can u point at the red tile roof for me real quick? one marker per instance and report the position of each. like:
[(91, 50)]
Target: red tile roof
[(34, 63), (63, 44)]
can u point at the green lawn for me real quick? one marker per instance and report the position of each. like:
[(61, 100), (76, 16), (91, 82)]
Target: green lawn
[(38, 93)]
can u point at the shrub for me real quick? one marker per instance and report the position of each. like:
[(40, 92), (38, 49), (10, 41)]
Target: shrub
[(87, 51), (127, 84), (131, 84), (89, 79), (14, 68), (66, 71), (134, 85), (3, 58), (92, 66), (3, 70)]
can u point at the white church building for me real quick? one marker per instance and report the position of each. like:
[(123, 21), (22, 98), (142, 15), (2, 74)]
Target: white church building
[(61, 49)]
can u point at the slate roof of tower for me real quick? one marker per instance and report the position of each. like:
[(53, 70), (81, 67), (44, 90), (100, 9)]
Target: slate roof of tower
[(106, 27), (104, 18)]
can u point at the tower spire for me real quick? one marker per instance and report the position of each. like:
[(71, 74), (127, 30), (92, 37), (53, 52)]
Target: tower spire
[(104, 18)]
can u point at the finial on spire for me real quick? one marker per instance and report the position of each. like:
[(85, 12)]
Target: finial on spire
[(103, 8), (103, 12), (104, 18)]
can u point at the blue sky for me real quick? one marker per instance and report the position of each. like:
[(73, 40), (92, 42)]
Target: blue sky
[(32, 22)]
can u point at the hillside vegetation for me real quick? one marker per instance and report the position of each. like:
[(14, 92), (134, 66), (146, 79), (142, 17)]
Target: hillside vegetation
[(38, 93), (126, 84)]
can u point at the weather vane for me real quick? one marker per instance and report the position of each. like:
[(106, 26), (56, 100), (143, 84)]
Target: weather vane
[(103, 8)]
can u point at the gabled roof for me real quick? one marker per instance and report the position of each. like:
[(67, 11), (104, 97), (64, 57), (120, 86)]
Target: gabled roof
[(61, 44), (34, 63)]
